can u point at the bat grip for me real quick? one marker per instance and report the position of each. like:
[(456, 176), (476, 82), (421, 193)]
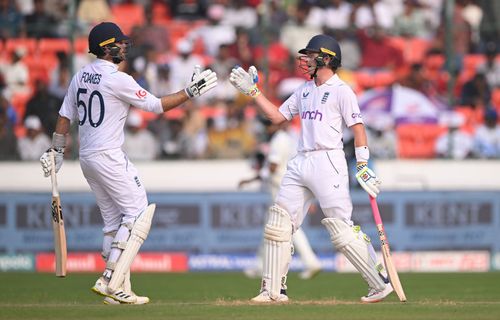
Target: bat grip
[(53, 178), (375, 211)]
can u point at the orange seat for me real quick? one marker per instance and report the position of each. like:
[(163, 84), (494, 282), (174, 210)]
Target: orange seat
[(472, 61), (364, 80), (53, 45), (29, 44), (413, 49), (81, 45), (434, 62), (417, 141), (128, 15), (384, 79)]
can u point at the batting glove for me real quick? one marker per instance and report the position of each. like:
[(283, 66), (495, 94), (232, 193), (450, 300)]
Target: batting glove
[(201, 82), (47, 163), (245, 82), (367, 179)]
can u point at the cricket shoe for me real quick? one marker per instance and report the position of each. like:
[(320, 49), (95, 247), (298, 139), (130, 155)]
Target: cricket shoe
[(139, 300), (375, 295), (264, 297), (101, 287), (310, 273)]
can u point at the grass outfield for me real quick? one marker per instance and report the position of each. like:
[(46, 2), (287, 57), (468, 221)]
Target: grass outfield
[(225, 296)]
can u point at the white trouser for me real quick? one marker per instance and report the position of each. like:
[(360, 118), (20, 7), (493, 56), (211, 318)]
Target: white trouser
[(119, 192), (318, 174)]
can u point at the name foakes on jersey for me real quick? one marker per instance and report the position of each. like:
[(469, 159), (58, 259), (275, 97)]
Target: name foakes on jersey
[(93, 78)]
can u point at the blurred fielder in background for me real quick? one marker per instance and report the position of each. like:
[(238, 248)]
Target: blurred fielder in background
[(318, 170), (271, 169), (99, 98)]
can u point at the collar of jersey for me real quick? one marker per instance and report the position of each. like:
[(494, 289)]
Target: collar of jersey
[(333, 80), (106, 62)]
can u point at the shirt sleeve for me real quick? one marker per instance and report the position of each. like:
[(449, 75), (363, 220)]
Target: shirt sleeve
[(69, 107), (128, 90), (289, 108), (348, 106)]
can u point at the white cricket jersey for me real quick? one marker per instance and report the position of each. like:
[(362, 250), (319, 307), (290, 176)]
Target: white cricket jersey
[(99, 97), (322, 111)]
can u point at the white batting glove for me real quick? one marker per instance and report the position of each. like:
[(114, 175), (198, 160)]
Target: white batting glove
[(245, 82), (367, 179), (47, 163), (201, 82)]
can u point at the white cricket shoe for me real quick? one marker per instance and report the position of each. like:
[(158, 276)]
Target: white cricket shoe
[(310, 273), (139, 300), (377, 295), (264, 297), (101, 287)]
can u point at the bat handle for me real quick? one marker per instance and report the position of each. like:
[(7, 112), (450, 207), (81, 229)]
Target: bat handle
[(53, 177), (375, 211)]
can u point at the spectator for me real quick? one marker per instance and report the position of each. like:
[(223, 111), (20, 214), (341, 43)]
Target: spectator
[(35, 142), (487, 137), (242, 49), (214, 33), (222, 65), (377, 52), (185, 60), (8, 140), (372, 13), (45, 106), (194, 131), (413, 22), (11, 20), (240, 14), (476, 93), (295, 32), (152, 35), (337, 15), (491, 67), (454, 143), (60, 77), (16, 74), (40, 24), (92, 12), (188, 9), (140, 144), (382, 138)]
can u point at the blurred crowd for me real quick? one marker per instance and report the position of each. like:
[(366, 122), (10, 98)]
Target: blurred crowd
[(449, 54)]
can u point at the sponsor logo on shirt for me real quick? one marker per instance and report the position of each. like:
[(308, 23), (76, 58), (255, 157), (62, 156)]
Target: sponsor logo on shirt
[(141, 94), (312, 115), (356, 115), (325, 97), (305, 94)]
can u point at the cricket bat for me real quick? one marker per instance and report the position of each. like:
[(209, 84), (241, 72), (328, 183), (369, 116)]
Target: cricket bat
[(386, 252), (60, 248)]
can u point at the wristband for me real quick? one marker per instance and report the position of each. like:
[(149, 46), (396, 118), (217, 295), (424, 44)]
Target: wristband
[(254, 92), (362, 154), (58, 140)]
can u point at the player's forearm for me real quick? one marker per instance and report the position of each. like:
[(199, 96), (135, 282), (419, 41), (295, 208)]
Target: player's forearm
[(358, 130), (62, 125), (173, 100), (269, 109)]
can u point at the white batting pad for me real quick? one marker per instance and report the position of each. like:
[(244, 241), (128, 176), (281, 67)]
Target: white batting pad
[(357, 248), (277, 250), (138, 234)]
